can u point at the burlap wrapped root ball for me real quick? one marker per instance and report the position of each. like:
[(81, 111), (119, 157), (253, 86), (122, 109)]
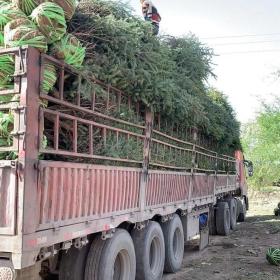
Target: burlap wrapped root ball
[(21, 32), (3, 2), (8, 12), (50, 19), (7, 70), (68, 7), (10, 27), (70, 50), (27, 6)]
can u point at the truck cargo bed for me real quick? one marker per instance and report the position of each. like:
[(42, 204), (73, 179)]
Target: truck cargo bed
[(51, 195)]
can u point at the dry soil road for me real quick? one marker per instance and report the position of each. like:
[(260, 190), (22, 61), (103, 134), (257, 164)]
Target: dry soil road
[(240, 256)]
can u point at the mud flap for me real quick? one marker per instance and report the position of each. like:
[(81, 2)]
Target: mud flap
[(190, 224), (204, 238)]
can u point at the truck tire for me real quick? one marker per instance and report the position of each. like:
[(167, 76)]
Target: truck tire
[(72, 264), (242, 210), (112, 259), (174, 244), (212, 221), (232, 204), (150, 252), (223, 218)]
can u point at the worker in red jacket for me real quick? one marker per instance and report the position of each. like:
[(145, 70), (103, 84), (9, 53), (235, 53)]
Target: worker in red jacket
[(151, 14)]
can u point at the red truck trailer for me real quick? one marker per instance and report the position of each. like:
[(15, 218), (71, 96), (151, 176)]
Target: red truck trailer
[(97, 216)]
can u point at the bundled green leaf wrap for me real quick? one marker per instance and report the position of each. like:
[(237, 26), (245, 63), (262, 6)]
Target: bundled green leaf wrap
[(27, 6), (6, 127), (3, 3), (26, 35), (11, 27), (50, 19), (9, 12), (70, 50), (50, 77), (68, 7), (273, 256), (1, 39), (7, 69)]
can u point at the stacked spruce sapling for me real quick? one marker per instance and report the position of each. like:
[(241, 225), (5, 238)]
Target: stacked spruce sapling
[(167, 74)]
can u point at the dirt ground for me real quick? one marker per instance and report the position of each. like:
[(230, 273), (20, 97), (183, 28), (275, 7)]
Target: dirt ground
[(240, 256)]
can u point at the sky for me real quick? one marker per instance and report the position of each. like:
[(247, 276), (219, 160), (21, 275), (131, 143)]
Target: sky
[(245, 36)]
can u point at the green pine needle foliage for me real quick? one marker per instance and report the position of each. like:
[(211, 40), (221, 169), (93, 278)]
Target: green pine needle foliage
[(167, 73)]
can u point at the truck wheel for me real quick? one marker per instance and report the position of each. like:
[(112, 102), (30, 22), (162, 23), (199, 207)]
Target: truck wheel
[(73, 262), (112, 259), (150, 252), (212, 221), (241, 206), (233, 212), (223, 218), (174, 244)]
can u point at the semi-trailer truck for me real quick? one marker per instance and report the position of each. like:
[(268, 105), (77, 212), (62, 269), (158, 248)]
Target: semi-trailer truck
[(78, 213)]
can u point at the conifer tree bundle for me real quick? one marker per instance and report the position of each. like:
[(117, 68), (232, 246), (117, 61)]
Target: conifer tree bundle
[(7, 70), (68, 7), (70, 50), (9, 12), (168, 74), (27, 35), (27, 6), (50, 19), (50, 77)]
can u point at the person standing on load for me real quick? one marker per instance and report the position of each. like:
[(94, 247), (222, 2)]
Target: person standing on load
[(151, 14)]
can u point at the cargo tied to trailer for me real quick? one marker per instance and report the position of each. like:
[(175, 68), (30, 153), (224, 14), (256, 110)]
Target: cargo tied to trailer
[(89, 191), (113, 152)]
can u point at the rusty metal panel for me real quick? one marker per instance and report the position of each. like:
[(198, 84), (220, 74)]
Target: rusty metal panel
[(69, 192), (232, 180), (203, 185), (167, 187), (8, 192), (221, 180)]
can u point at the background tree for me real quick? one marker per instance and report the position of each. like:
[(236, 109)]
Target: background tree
[(261, 143)]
